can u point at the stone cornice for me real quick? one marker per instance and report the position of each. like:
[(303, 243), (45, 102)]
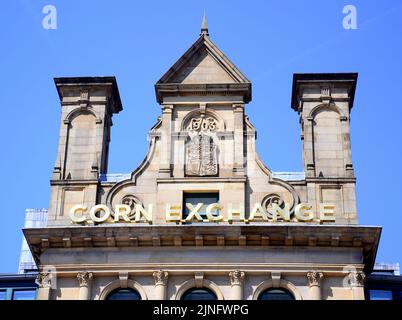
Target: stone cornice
[(219, 268), (331, 180), (73, 182), (71, 83), (276, 234), (301, 80), (201, 180), (177, 89)]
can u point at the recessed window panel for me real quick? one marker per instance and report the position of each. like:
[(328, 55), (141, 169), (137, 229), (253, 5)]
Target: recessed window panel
[(2, 294), (206, 198)]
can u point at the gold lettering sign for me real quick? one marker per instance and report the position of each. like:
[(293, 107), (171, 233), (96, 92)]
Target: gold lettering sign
[(214, 213)]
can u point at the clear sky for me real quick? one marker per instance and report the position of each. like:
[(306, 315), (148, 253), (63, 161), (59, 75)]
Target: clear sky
[(137, 41)]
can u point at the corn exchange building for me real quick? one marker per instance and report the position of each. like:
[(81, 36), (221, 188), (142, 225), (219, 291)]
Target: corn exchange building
[(203, 217)]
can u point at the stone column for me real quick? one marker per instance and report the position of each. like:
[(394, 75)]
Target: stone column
[(238, 166), (314, 280), (164, 170), (85, 282), (236, 280), (44, 282), (161, 278), (356, 280)]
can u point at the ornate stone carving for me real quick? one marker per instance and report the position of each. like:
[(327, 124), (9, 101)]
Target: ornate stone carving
[(84, 95), (269, 200), (357, 279), (44, 280), (203, 124), (160, 277), (314, 278), (236, 277), (325, 92), (201, 149), (131, 201), (84, 278), (201, 155)]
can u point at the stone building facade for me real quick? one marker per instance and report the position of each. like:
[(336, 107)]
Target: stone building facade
[(296, 233)]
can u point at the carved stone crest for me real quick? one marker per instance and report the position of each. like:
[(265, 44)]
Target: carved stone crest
[(201, 149)]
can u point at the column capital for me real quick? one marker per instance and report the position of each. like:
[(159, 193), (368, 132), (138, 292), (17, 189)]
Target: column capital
[(357, 278), (314, 278), (238, 107), (236, 277), (84, 278), (160, 277), (167, 108), (44, 280)]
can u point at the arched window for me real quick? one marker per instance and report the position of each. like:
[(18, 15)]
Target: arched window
[(199, 294), (276, 294), (123, 294)]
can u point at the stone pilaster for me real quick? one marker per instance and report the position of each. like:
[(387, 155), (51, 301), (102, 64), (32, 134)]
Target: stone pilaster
[(166, 141), (236, 281), (44, 282), (356, 281), (161, 278), (308, 146), (314, 280), (238, 166), (85, 283)]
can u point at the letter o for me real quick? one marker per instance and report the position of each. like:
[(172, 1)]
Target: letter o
[(98, 208)]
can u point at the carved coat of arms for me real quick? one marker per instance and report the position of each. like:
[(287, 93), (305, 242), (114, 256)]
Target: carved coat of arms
[(201, 149)]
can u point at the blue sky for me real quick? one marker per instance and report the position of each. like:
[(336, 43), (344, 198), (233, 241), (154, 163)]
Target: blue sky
[(137, 41)]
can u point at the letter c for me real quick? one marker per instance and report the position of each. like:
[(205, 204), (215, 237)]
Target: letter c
[(72, 213)]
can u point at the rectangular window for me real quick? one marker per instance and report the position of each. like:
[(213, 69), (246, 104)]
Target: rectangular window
[(2, 294), (206, 198), (25, 294), (380, 295)]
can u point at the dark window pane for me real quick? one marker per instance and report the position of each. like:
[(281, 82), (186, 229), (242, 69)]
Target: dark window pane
[(2, 294), (124, 294), (276, 294), (29, 294), (380, 295), (199, 294), (196, 198)]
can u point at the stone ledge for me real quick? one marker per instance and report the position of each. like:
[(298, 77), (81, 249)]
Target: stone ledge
[(201, 180), (280, 234)]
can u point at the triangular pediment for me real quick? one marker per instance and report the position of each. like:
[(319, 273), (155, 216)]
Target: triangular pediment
[(203, 63)]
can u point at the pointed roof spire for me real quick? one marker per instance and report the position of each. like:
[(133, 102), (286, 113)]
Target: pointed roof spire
[(204, 26)]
